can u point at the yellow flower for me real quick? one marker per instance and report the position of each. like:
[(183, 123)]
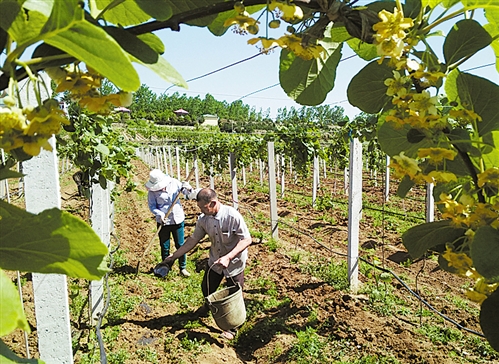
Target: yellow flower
[(267, 43), (392, 24), (392, 47), (45, 120), (459, 261), (11, 118), (489, 176), (289, 12), (398, 85), (427, 78), (475, 296), (437, 155), (483, 215), (439, 176), (244, 23), (424, 104), (465, 114), (406, 165), (294, 44)]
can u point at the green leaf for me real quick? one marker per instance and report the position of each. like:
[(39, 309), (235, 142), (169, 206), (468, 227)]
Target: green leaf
[(465, 39), (489, 319), (485, 252), (364, 50), (11, 309), (308, 82), (158, 9), (480, 95), (9, 10), (450, 86), (419, 239), (166, 71), (393, 139), (493, 30), (133, 45), (63, 14), (491, 159), (124, 14), (339, 33), (367, 90), (101, 148), (55, 242), (8, 173), (7, 356), (404, 186), (26, 29), (98, 50), (486, 4), (153, 41)]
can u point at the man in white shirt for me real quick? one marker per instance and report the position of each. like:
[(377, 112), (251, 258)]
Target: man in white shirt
[(229, 238)]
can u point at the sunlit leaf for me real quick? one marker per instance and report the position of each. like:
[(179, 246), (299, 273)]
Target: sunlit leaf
[(367, 90), (64, 13), (125, 13), (8, 357), (485, 252), (465, 39), (56, 242), (364, 50), (421, 238), (166, 71), (11, 309), (153, 41), (489, 319), (491, 159), (308, 82), (24, 29), (493, 29), (98, 50), (480, 95), (473, 4)]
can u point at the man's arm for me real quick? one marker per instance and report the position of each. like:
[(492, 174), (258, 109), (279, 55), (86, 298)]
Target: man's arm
[(241, 245), (189, 243)]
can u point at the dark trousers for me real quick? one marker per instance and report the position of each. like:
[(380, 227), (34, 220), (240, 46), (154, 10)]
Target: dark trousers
[(212, 280), (177, 231)]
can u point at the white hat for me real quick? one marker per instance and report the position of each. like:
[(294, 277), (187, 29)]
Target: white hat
[(157, 180)]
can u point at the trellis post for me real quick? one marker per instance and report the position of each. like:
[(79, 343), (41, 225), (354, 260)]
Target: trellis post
[(272, 191), (177, 154), (233, 178), (354, 212), (315, 180), (101, 219), (430, 203), (50, 290), (387, 178)]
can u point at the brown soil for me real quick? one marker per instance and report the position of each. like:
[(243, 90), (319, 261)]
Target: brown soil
[(346, 319)]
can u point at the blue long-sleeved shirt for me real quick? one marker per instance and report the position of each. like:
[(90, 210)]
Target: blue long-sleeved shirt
[(160, 201)]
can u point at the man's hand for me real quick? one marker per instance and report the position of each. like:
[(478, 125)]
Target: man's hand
[(168, 261), (223, 261)]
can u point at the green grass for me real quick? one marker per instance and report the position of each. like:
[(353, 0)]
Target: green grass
[(308, 347), (440, 335), (333, 273)]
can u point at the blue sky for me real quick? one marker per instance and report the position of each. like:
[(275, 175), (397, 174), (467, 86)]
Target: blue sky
[(195, 51)]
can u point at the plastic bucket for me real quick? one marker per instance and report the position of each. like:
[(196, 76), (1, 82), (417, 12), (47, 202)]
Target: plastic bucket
[(227, 307)]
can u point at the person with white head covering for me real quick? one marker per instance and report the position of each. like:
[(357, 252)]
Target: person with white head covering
[(162, 192)]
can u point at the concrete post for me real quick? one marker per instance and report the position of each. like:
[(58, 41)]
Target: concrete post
[(50, 290), (354, 212), (272, 191)]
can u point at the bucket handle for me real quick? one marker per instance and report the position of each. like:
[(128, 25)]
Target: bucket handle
[(208, 279)]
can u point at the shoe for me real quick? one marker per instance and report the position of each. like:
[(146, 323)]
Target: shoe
[(228, 335), (185, 273), (202, 311)]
